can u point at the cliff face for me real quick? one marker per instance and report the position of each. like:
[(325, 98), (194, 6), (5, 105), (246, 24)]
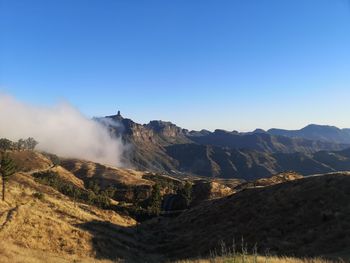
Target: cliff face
[(164, 147), (159, 132), (146, 142)]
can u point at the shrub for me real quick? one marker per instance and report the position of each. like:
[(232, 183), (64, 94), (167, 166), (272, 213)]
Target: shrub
[(38, 195)]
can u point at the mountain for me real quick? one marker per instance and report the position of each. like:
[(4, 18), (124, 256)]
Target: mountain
[(164, 147), (147, 142), (316, 132)]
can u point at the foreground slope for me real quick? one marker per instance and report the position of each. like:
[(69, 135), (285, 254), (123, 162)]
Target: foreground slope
[(39, 224), (306, 217), (54, 224)]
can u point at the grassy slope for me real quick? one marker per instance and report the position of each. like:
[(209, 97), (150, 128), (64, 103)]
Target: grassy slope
[(55, 224), (56, 229)]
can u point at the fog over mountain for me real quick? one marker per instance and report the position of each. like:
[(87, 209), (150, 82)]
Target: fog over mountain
[(59, 129)]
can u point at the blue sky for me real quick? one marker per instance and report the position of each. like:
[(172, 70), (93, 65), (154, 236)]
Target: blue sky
[(235, 64)]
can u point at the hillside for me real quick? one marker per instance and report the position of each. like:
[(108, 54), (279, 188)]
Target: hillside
[(285, 213), (39, 224), (307, 217), (52, 227)]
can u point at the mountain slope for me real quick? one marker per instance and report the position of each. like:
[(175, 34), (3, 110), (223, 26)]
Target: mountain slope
[(56, 225), (40, 224), (305, 217)]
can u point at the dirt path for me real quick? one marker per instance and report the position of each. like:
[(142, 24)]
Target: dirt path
[(39, 170)]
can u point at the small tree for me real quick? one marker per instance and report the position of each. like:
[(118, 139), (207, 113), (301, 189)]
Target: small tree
[(7, 168), (55, 160)]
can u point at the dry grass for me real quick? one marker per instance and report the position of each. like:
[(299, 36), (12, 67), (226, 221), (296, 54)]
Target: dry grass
[(258, 259), (28, 160), (10, 253), (83, 169), (68, 176), (52, 226)]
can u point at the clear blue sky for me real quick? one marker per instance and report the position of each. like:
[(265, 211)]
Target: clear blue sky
[(235, 64)]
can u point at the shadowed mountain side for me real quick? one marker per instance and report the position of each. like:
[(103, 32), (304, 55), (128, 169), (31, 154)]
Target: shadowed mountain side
[(307, 217), (264, 142), (112, 242), (217, 162), (214, 161)]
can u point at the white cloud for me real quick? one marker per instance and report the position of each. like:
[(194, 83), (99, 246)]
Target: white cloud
[(60, 129)]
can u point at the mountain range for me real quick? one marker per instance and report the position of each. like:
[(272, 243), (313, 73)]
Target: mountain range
[(164, 147)]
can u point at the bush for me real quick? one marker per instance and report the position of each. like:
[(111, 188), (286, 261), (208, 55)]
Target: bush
[(38, 195)]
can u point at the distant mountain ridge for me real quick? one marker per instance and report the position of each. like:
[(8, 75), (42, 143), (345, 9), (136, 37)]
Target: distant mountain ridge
[(316, 132), (265, 142), (164, 147)]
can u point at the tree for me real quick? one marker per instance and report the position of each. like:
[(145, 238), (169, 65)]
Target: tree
[(186, 193), (20, 144), (7, 168), (5, 144), (155, 200), (30, 143), (110, 191), (94, 186)]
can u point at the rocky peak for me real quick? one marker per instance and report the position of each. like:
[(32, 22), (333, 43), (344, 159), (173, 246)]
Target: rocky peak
[(166, 129)]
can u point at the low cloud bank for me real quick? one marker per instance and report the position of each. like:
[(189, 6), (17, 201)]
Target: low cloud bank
[(60, 129)]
